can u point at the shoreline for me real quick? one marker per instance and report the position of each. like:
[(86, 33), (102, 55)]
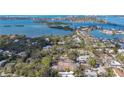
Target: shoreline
[(112, 32)]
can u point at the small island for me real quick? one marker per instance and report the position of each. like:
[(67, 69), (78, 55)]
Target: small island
[(71, 50)]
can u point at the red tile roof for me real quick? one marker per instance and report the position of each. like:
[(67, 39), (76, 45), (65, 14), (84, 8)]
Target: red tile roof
[(118, 72)]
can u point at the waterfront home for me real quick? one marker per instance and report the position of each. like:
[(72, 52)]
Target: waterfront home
[(13, 36), (66, 74), (104, 40), (85, 28)]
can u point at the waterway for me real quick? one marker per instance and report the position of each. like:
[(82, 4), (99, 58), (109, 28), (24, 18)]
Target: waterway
[(28, 28), (31, 29)]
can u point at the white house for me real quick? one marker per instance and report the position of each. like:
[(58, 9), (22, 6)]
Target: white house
[(16, 40), (109, 50), (67, 74), (47, 47), (61, 43), (47, 39), (83, 59), (115, 64), (77, 40), (22, 54), (90, 73), (7, 53), (101, 70), (121, 51)]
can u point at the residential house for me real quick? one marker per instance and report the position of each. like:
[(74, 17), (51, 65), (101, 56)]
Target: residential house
[(109, 50), (47, 39), (77, 40), (101, 71), (121, 51), (115, 64), (82, 58), (61, 42), (22, 54), (8, 53), (47, 47), (16, 40), (90, 73), (66, 74), (65, 64)]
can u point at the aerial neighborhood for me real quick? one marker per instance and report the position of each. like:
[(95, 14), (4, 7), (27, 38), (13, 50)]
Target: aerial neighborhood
[(79, 54)]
